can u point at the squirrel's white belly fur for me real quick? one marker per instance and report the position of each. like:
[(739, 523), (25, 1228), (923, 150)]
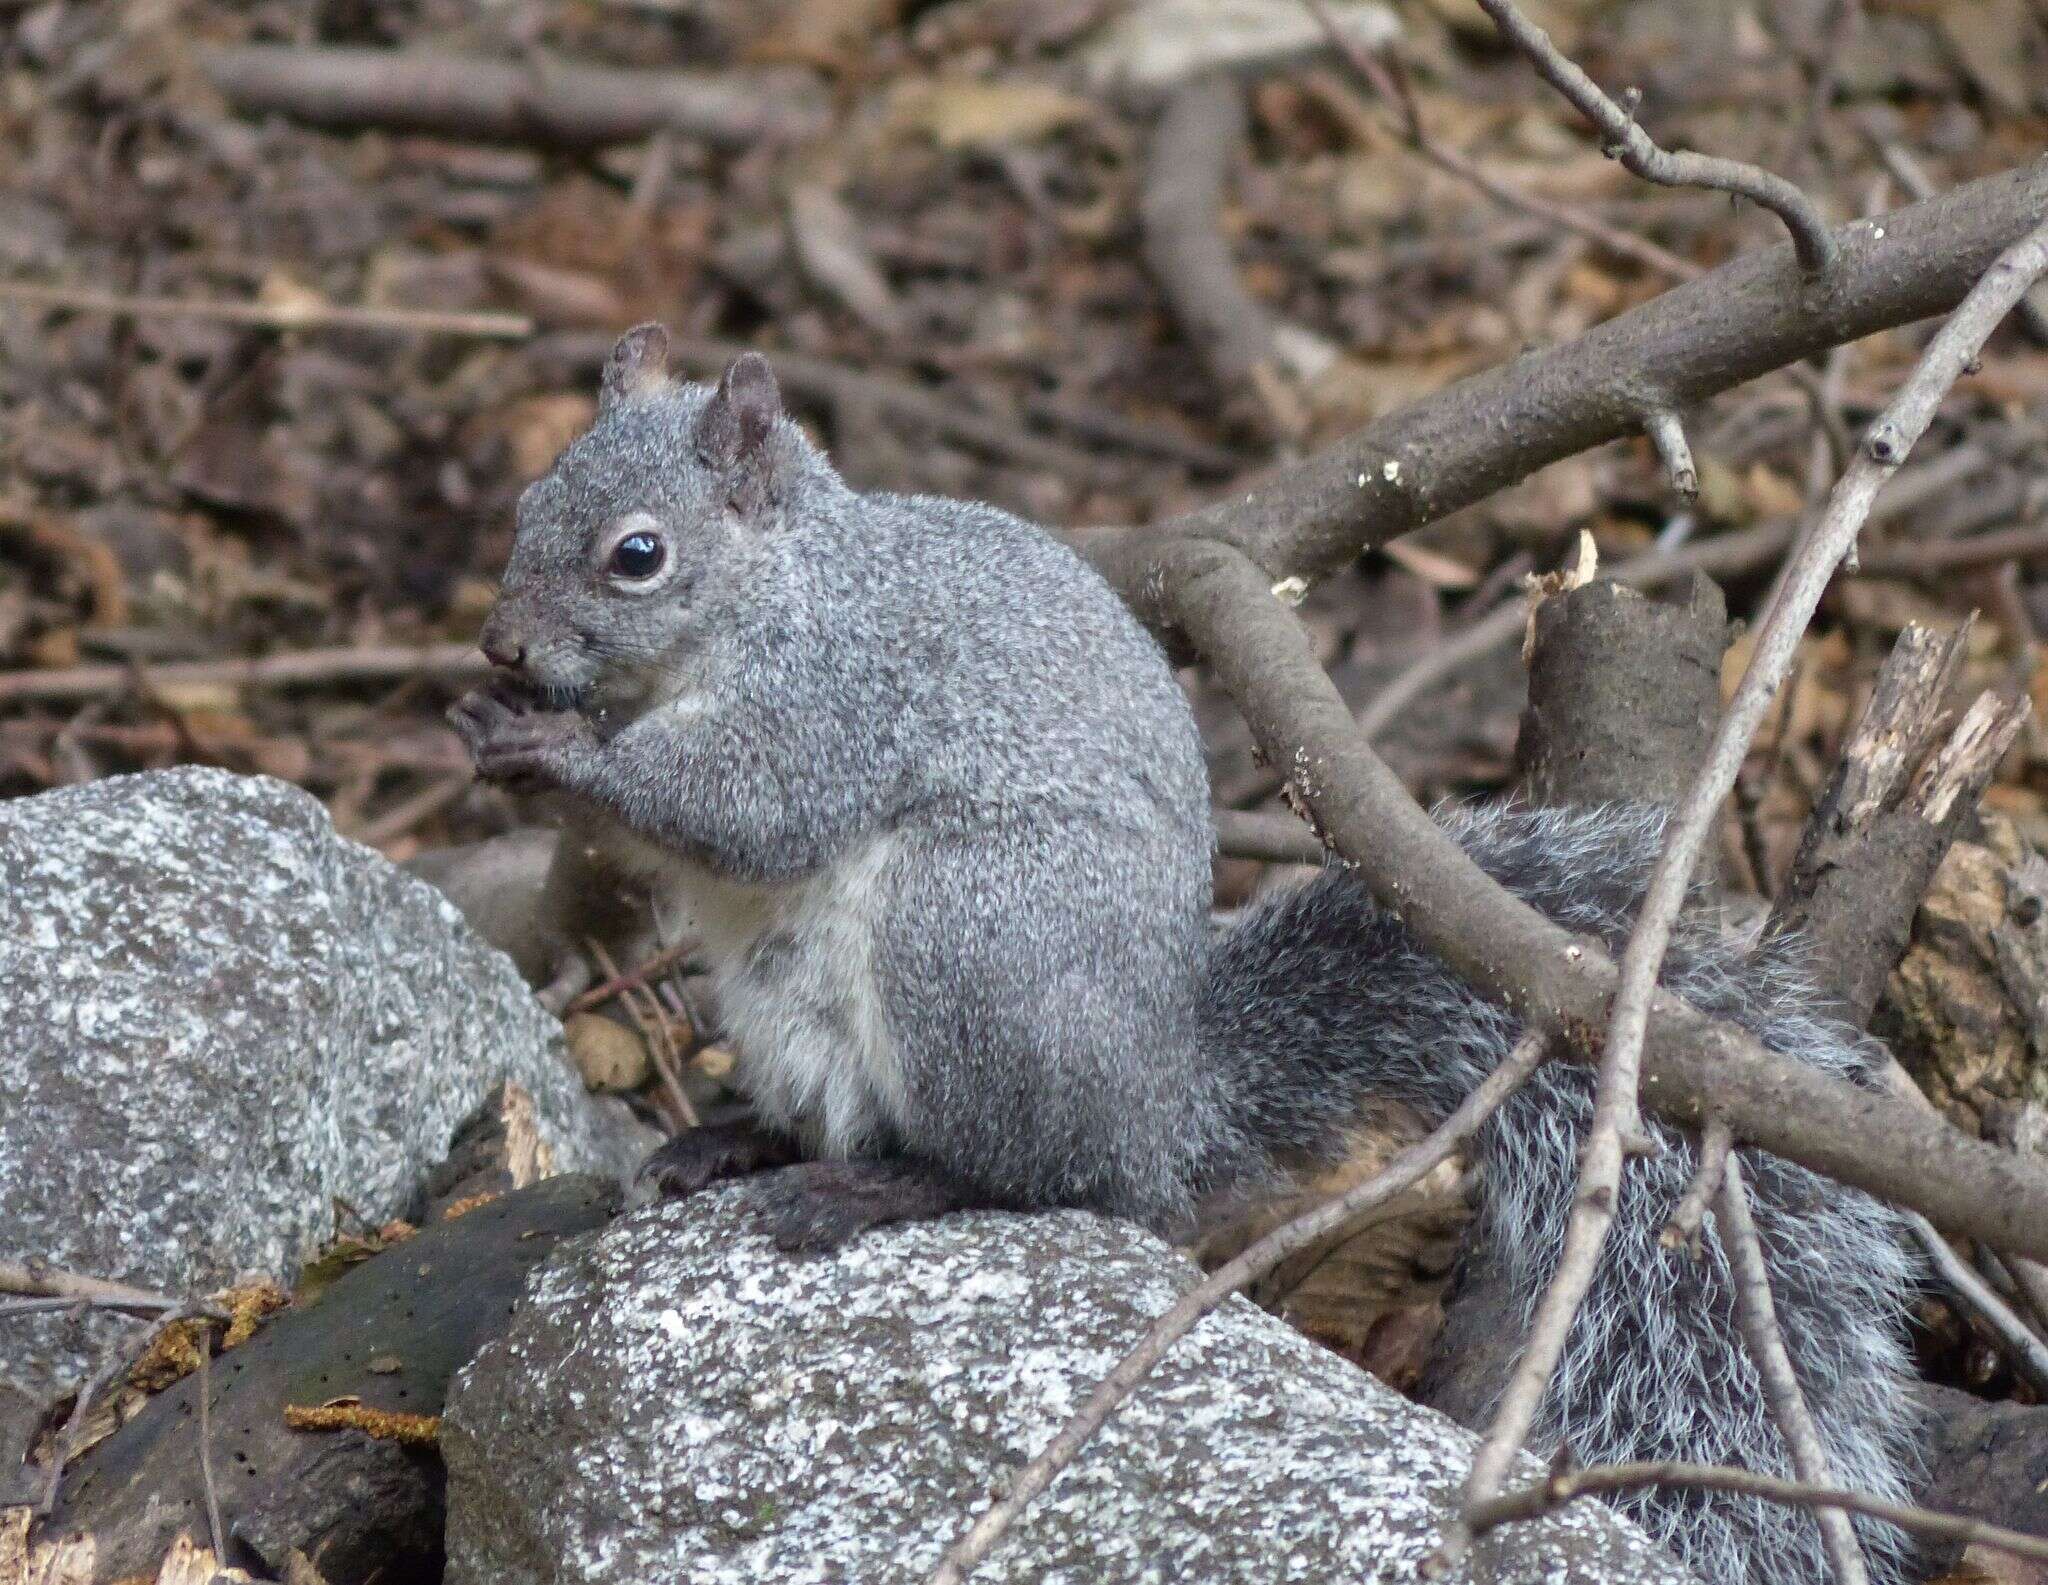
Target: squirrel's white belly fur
[(793, 967)]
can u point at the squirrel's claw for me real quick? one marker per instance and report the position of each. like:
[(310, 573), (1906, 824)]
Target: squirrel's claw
[(697, 1158)]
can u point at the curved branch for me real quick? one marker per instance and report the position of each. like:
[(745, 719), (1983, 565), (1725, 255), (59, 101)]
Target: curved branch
[(1180, 212), (1622, 139), (1693, 1066)]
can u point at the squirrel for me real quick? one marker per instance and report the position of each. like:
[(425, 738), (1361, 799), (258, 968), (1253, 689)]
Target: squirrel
[(941, 813)]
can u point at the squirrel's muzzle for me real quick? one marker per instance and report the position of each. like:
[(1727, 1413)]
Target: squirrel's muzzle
[(502, 642)]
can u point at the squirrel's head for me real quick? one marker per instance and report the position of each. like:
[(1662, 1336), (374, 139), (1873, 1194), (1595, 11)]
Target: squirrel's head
[(642, 532)]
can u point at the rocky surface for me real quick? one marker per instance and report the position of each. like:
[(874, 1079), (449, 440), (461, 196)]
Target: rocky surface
[(676, 1401), (221, 1017)]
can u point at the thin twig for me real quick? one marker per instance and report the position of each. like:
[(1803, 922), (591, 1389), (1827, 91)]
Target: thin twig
[(1406, 124), (11, 1308), (2022, 1346), (1622, 139), (2016, 1339), (1716, 1141), (1823, 394), (39, 1281), (654, 1032), (295, 314), (1615, 1108), (1399, 1175), (1563, 1486), (631, 979), (2006, 1282), (1917, 558), (1756, 1315), (1751, 788), (1667, 434), (213, 1524), (1273, 838)]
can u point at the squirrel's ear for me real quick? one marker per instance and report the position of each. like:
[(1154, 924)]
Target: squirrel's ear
[(740, 414), (637, 367)]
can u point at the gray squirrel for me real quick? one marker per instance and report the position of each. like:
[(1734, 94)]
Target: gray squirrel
[(941, 812)]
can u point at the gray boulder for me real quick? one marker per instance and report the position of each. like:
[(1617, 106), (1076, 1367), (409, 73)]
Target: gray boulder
[(221, 1016), (675, 1401)]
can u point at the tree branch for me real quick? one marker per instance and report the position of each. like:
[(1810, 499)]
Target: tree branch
[(1716, 1141), (70, 1287), (1695, 341), (1404, 121), (1616, 1114), (1694, 1067)]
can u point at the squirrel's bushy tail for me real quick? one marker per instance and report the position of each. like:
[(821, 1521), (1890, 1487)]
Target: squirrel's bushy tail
[(1319, 999)]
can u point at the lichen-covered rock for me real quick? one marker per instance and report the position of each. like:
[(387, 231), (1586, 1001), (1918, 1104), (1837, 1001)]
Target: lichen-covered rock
[(676, 1402), (220, 1016)]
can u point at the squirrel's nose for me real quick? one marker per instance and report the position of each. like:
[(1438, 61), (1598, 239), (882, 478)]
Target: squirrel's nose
[(500, 647)]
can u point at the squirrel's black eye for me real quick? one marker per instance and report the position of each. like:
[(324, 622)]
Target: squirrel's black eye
[(638, 556)]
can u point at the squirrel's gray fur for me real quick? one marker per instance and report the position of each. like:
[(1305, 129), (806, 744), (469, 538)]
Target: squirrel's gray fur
[(940, 807)]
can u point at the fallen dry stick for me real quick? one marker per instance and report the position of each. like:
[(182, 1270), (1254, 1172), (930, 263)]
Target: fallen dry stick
[(1180, 212), (298, 668), (34, 1281), (1757, 1316), (1393, 91), (308, 315), (532, 100)]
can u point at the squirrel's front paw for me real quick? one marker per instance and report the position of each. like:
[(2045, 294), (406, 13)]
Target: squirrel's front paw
[(516, 744)]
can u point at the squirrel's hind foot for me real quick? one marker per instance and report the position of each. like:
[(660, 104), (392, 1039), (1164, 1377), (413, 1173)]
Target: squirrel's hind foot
[(819, 1206), (697, 1158)]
